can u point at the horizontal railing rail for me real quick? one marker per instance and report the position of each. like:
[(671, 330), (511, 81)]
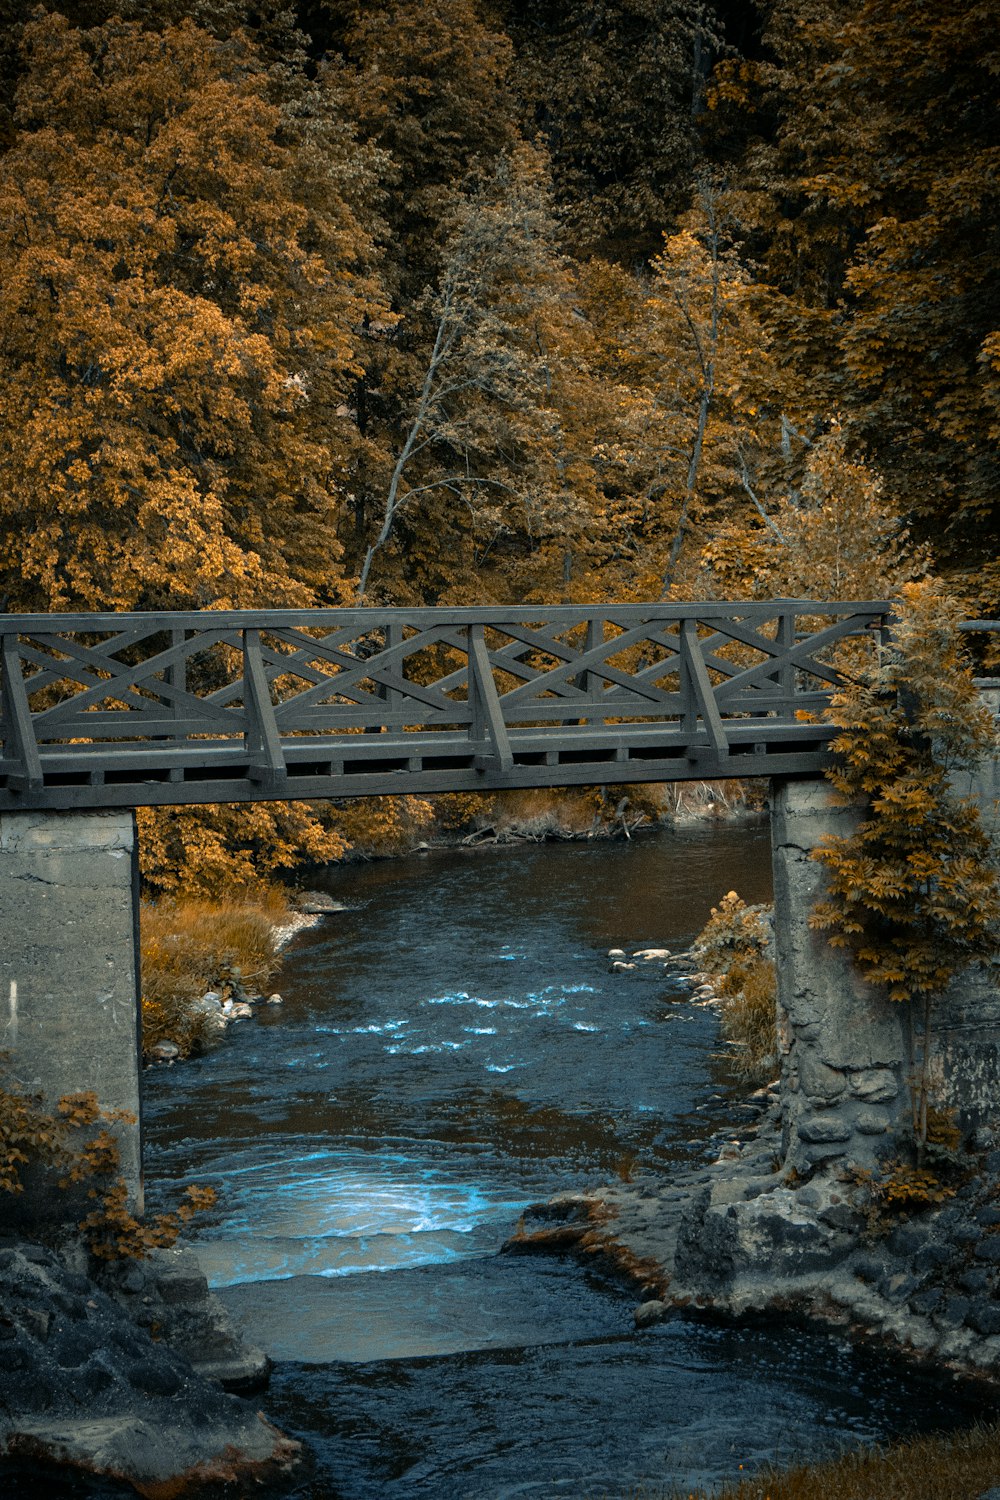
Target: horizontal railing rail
[(106, 710)]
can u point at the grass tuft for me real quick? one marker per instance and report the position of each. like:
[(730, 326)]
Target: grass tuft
[(952, 1466), (747, 1019), (734, 946)]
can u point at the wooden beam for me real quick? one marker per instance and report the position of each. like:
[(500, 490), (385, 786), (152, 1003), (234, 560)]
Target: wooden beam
[(707, 708)]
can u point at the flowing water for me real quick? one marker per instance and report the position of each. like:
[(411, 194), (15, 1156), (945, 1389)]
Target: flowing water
[(452, 1048)]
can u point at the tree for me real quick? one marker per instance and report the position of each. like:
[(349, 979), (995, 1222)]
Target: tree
[(425, 82), (701, 383), (925, 281), (479, 429), (612, 89), (914, 893), (831, 536), (179, 313), (869, 187)]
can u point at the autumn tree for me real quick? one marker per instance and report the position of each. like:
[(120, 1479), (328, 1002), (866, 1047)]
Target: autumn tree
[(479, 452), (831, 535), (691, 366), (426, 85), (180, 294), (925, 282)]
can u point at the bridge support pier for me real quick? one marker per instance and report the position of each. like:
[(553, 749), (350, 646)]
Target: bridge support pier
[(69, 982), (843, 1047)]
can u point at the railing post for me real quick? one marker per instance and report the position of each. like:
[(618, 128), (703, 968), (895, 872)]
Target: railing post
[(698, 685), (393, 638), (588, 680), (484, 703), (786, 672), (19, 731), (392, 697), (263, 742), (685, 682), (177, 674), (175, 677)]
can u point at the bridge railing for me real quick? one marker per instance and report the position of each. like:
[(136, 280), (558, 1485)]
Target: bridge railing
[(141, 709)]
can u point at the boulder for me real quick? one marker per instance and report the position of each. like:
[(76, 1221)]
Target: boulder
[(872, 1122), (771, 1235), (208, 1010), (823, 1129), (817, 1079), (164, 1052), (82, 1384), (648, 1313), (873, 1085), (983, 1317)]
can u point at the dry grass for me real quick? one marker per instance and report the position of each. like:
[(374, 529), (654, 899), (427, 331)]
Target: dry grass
[(734, 945), (747, 1019), (707, 800), (541, 813), (190, 946), (958, 1466), (546, 813)]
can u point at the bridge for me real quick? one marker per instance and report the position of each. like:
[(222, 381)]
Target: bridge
[(105, 713), (131, 710)]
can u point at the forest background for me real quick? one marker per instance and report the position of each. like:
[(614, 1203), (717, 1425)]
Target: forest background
[(474, 301)]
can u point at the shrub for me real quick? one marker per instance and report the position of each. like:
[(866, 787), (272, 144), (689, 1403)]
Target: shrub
[(190, 946), (913, 892), (71, 1146), (734, 945)]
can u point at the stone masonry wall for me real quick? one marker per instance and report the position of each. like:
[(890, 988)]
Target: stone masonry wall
[(843, 1049)]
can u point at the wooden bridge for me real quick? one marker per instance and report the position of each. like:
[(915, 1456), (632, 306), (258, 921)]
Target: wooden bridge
[(119, 711), (101, 714)]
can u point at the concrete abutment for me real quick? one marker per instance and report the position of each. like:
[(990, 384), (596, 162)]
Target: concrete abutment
[(69, 964)]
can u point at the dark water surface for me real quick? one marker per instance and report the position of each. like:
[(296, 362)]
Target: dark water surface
[(452, 1048)]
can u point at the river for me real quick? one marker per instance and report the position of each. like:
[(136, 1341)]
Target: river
[(452, 1047)]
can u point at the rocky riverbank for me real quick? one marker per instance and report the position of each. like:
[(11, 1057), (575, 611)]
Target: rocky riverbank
[(741, 1235), (199, 1023), (132, 1370), (132, 1374), (737, 1238)]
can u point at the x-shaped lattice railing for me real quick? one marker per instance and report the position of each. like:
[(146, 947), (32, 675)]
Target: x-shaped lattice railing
[(99, 700)]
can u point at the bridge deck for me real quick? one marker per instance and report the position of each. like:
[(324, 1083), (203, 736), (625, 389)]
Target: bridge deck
[(144, 709)]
